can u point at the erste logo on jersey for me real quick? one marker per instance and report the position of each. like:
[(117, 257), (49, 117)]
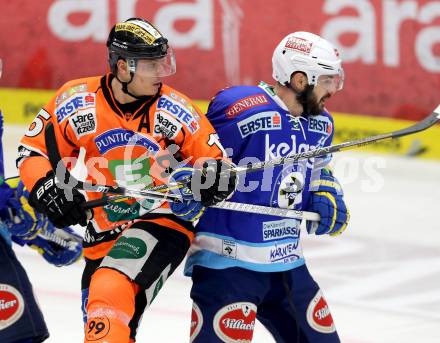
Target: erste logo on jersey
[(83, 122), (166, 125), (77, 101), (278, 229), (321, 124), (264, 121), (176, 110), (319, 316), (244, 104), (236, 322), (11, 305), (120, 137)]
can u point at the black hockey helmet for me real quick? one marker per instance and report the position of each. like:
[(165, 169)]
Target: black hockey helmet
[(136, 39)]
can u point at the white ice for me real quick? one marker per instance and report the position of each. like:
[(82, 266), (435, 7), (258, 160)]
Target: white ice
[(381, 278)]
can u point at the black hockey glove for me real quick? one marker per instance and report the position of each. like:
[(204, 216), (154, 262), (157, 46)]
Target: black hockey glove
[(210, 185), (62, 209)]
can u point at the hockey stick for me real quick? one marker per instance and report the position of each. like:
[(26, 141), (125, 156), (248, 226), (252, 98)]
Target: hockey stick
[(422, 125), (123, 193)]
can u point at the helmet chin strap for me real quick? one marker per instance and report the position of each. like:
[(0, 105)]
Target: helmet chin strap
[(126, 91)]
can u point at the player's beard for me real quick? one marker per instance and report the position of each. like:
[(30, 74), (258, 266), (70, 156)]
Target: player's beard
[(309, 102)]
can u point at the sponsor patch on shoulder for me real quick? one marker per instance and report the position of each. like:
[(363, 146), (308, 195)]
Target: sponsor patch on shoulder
[(11, 305), (179, 112), (84, 100), (236, 322), (320, 124), (68, 93), (319, 316), (83, 122), (244, 104), (264, 121), (166, 125)]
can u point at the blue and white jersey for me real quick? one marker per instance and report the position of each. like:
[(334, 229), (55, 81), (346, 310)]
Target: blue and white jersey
[(254, 125)]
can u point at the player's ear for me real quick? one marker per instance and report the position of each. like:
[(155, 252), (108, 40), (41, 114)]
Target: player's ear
[(298, 81), (122, 69)]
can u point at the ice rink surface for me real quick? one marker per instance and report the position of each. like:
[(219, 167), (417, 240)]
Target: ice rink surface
[(381, 277)]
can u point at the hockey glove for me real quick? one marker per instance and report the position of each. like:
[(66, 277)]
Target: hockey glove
[(18, 215), (327, 200), (59, 247), (210, 185), (61, 208), (188, 209)]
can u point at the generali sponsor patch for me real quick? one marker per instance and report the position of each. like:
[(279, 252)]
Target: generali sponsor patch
[(196, 322), (236, 322), (319, 316), (244, 104), (11, 305)]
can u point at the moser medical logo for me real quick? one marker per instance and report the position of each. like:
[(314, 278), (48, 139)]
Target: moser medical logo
[(280, 229), (320, 124), (78, 101), (179, 112), (120, 137), (264, 121)]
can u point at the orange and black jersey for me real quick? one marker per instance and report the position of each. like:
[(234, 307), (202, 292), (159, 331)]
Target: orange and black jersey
[(123, 144)]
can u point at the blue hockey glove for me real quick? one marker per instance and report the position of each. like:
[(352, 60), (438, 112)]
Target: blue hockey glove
[(18, 215), (327, 200), (188, 209), (59, 247)]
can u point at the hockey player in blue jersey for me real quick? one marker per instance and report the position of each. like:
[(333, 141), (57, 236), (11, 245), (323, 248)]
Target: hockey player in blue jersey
[(250, 266), (21, 320)]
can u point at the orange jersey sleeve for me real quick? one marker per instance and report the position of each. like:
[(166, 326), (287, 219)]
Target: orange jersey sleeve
[(74, 97)]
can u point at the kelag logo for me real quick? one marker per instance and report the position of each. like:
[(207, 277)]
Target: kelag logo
[(263, 121)]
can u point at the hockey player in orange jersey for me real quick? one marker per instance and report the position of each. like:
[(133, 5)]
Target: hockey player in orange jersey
[(125, 121)]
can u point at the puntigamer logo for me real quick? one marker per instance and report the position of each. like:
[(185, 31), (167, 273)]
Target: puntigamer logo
[(264, 121)]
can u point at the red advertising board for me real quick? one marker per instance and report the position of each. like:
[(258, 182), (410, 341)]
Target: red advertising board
[(391, 48)]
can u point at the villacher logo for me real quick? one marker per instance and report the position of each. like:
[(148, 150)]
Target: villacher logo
[(11, 305)]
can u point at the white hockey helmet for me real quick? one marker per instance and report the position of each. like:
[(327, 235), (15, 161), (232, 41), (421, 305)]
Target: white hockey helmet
[(310, 54)]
